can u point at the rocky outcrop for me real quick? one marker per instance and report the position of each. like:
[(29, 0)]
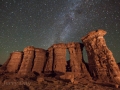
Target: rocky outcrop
[(27, 62), (74, 62), (76, 59), (56, 60), (119, 65), (3, 68), (49, 62), (59, 58), (39, 61), (14, 62), (37, 65), (102, 64), (68, 76)]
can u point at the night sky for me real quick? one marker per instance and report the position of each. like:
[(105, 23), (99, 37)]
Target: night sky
[(41, 23)]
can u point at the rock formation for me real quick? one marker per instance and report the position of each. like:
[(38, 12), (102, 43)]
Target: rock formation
[(38, 64), (119, 65), (76, 59), (27, 62), (39, 61), (74, 62), (59, 58), (49, 62), (3, 68), (14, 62), (101, 62)]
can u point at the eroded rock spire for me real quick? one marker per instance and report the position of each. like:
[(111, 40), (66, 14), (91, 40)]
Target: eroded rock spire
[(102, 64)]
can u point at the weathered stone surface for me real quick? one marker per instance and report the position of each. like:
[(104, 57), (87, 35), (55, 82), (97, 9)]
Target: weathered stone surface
[(76, 58), (15, 62), (39, 61), (27, 62), (74, 62), (119, 65), (4, 66), (59, 58), (40, 79), (49, 61), (68, 76), (101, 62)]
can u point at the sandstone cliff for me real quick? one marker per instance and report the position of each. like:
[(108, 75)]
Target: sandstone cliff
[(102, 64), (15, 62), (39, 60), (38, 63), (27, 61)]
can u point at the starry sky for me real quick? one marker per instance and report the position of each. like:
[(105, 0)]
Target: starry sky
[(41, 23)]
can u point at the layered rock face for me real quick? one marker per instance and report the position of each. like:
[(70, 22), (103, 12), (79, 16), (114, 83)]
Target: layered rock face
[(14, 62), (74, 62), (119, 65), (76, 58), (49, 63), (59, 58), (56, 60), (27, 62), (39, 61), (38, 64), (101, 62)]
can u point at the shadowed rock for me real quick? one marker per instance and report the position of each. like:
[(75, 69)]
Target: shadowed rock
[(4, 66), (15, 62), (74, 62), (27, 61), (102, 64), (49, 62), (119, 65), (39, 61), (76, 59)]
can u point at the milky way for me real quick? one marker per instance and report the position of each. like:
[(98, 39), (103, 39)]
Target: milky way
[(41, 23)]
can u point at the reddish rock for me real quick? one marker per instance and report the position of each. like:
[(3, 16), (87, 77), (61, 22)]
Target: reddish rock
[(49, 62), (15, 62), (27, 61), (40, 79), (102, 64), (119, 65), (76, 58), (4, 66), (39, 61), (74, 62), (59, 58), (68, 76)]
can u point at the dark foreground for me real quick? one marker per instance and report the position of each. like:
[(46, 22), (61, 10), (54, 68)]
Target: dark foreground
[(11, 82)]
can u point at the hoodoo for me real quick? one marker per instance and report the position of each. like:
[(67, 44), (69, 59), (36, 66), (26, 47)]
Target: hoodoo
[(102, 64), (27, 61)]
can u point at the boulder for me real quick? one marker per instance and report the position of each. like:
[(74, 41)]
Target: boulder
[(68, 76), (40, 79)]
